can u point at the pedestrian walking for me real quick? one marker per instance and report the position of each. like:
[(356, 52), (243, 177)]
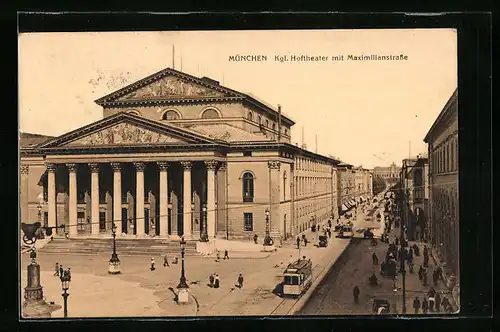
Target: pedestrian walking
[(445, 303), (432, 301), (298, 242), (355, 294), (176, 260), (431, 292), (255, 237), (61, 270), (217, 259), (435, 277), (425, 306), (426, 251), (375, 259), (216, 281), (68, 272), (410, 254), (424, 278), (416, 304), (438, 302), (226, 255), (426, 260), (56, 273), (416, 250), (152, 264), (421, 271), (165, 260), (240, 281), (211, 279)]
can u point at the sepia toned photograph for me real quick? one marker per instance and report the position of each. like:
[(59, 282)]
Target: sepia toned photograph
[(238, 173)]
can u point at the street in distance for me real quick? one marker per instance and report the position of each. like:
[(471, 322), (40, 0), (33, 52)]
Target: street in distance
[(317, 58)]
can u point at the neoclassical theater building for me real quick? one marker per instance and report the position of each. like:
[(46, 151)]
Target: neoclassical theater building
[(177, 155)]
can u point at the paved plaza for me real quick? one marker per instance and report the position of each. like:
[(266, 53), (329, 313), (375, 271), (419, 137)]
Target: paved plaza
[(141, 292)]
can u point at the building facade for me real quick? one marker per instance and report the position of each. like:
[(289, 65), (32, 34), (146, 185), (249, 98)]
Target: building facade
[(177, 155), (443, 219), (415, 186), (391, 172)]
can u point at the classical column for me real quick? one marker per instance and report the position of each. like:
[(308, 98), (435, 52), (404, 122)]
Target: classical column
[(211, 166), (24, 194), (163, 165), (94, 185), (72, 168), (274, 195), (221, 200), (117, 197), (186, 213), (51, 194), (139, 193)]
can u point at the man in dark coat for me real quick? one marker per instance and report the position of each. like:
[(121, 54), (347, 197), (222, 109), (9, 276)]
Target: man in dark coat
[(437, 299), (355, 294), (416, 250), (375, 259), (416, 304), (425, 306), (435, 277), (298, 242), (61, 270), (240, 280)]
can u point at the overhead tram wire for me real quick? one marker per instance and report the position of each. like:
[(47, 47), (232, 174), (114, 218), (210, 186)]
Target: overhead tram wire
[(244, 205)]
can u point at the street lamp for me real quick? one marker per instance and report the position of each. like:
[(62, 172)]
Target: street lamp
[(183, 286), (267, 240), (182, 283), (65, 280), (114, 262), (204, 234)]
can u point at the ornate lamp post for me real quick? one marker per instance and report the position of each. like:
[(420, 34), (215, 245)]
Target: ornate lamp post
[(65, 280), (114, 262), (204, 234), (183, 286), (34, 305), (267, 240)]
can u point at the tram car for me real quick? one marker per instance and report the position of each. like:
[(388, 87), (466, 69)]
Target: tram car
[(297, 278), (346, 232)]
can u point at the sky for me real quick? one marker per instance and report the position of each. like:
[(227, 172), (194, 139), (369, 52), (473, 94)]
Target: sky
[(367, 113)]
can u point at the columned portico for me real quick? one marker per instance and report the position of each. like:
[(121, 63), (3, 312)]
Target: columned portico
[(94, 169), (139, 193), (73, 213), (117, 197), (211, 167), (163, 166), (187, 194)]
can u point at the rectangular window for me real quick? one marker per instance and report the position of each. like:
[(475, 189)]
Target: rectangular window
[(247, 153), (248, 217), (80, 221)]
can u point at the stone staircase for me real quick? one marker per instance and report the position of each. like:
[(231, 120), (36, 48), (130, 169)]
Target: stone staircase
[(126, 247)]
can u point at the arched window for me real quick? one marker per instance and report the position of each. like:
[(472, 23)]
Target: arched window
[(171, 115), (286, 131), (267, 123), (134, 112), (247, 187), (274, 126), (250, 116), (210, 113)]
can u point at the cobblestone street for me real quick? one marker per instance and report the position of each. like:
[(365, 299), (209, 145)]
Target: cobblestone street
[(334, 294)]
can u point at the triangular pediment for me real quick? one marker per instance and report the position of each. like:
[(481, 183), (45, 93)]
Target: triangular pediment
[(169, 84), (171, 87), (125, 129), (125, 133)]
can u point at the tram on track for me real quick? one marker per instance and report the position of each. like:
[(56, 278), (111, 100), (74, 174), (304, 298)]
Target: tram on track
[(297, 278)]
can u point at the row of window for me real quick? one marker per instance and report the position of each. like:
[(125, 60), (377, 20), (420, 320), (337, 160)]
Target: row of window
[(306, 185), (267, 123), (209, 113), (445, 158), (307, 164)]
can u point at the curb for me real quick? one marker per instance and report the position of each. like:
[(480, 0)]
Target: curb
[(303, 300)]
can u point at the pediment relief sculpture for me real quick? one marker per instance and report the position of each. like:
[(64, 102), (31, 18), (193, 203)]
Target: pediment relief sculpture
[(170, 87), (124, 133)]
